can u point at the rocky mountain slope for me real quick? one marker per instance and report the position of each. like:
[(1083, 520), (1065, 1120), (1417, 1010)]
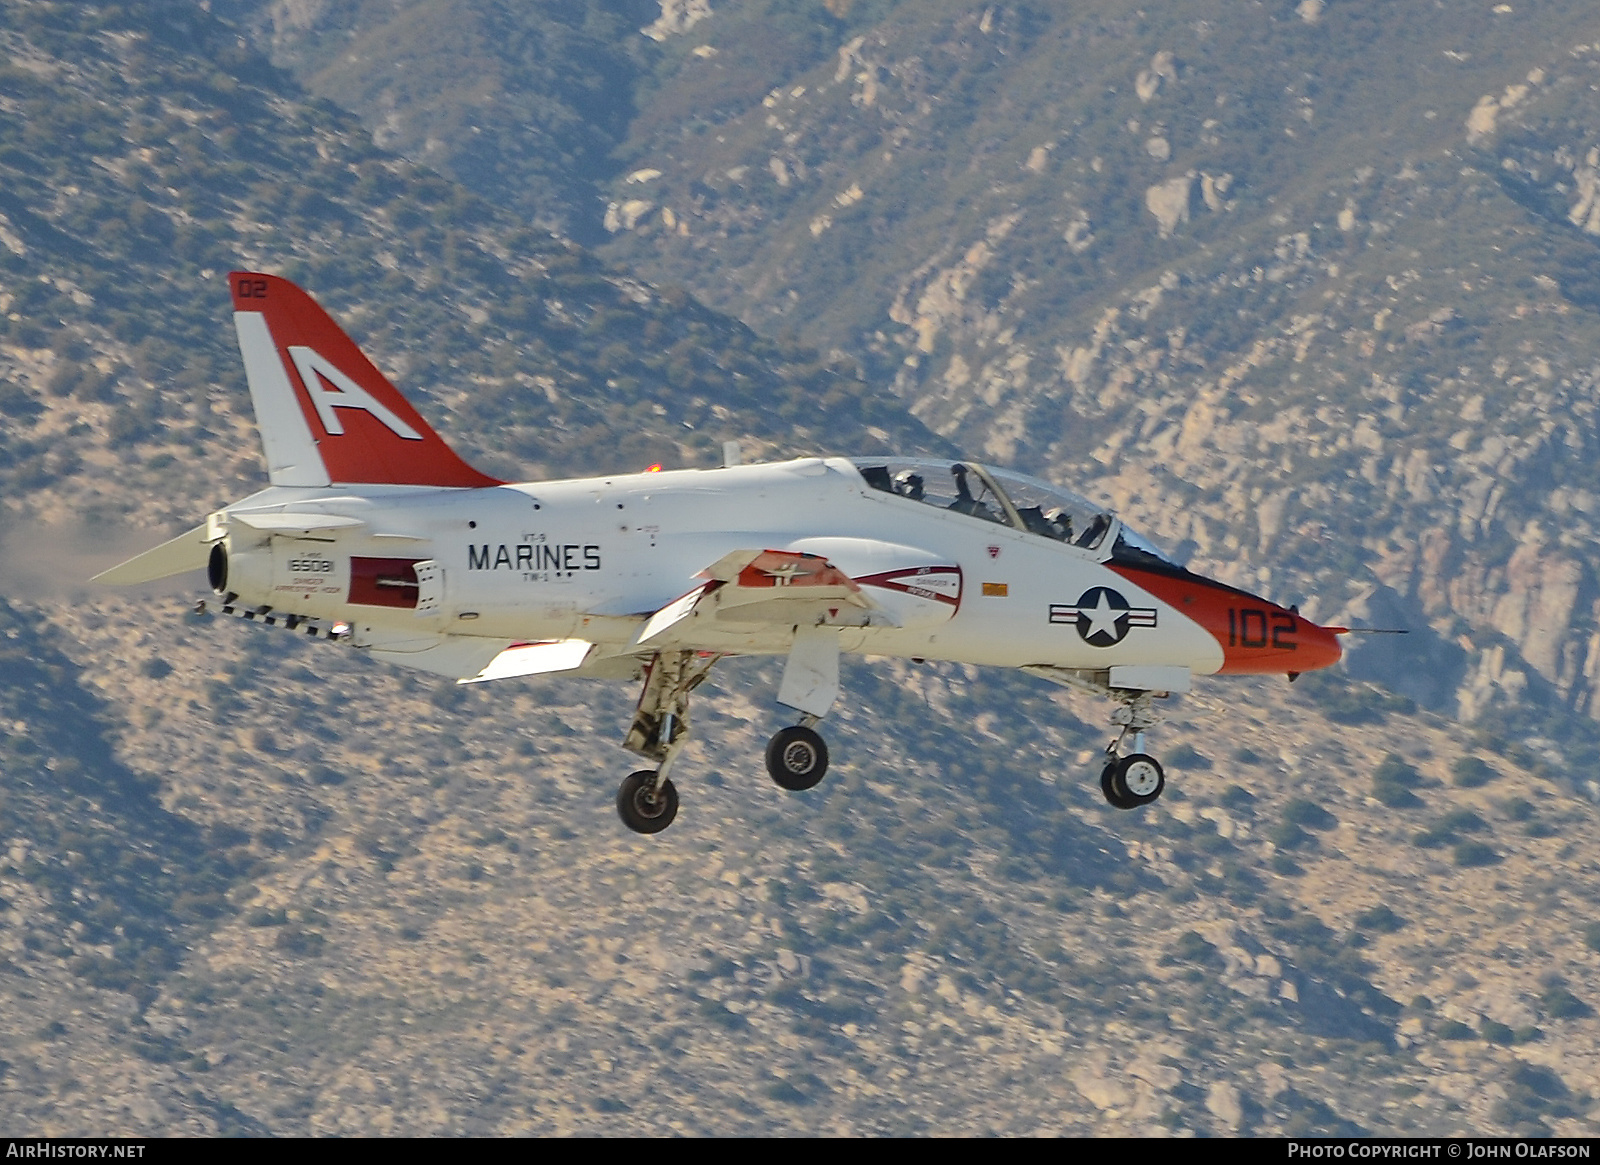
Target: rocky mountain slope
[(254, 884), (525, 103)]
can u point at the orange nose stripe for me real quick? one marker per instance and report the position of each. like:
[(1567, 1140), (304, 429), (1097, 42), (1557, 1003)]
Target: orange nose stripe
[(1256, 637)]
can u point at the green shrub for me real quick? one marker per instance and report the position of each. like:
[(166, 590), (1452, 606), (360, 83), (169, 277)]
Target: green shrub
[(1191, 947), (298, 941), (1452, 1029), (1497, 1033), (1238, 799), (1591, 936), (1462, 821), (1346, 702), (1186, 756), (1469, 772), (1288, 835), (322, 774), (1559, 1003), (1381, 919), (1309, 814), (1517, 808), (1475, 853), (1449, 827), (1393, 782), (1533, 1092)]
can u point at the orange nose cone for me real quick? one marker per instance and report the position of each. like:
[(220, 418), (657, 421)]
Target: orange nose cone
[(1256, 637), (1261, 638), (1319, 647)]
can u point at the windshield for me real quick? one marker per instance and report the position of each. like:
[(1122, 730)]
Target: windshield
[(1008, 498), (949, 485)]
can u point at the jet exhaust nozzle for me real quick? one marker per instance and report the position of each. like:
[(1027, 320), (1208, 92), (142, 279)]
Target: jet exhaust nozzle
[(217, 568)]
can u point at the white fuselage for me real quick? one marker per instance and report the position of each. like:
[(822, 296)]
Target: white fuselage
[(594, 558)]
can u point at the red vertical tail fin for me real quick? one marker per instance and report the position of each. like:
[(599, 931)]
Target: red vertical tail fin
[(327, 416)]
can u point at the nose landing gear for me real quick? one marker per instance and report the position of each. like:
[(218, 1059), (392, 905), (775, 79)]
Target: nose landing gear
[(1135, 778)]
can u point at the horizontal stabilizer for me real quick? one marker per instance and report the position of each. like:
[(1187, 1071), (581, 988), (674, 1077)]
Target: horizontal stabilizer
[(527, 659), (184, 553), (281, 521)]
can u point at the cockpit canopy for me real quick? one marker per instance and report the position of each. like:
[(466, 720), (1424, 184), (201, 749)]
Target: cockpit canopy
[(1005, 498)]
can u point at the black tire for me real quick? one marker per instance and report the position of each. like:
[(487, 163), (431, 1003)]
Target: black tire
[(1136, 779), (642, 807), (797, 758), (1108, 786)]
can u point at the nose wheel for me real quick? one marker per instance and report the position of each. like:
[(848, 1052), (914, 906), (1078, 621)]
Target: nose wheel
[(1133, 780)]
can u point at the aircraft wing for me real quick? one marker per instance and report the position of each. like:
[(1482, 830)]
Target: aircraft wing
[(768, 588)]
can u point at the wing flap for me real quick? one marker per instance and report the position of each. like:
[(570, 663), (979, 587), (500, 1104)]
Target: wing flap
[(674, 612), (528, 659)]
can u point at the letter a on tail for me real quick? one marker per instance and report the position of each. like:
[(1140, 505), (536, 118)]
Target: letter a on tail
[(327, 415)]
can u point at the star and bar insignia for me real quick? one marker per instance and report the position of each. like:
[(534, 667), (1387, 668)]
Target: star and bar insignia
[(1103, 616)]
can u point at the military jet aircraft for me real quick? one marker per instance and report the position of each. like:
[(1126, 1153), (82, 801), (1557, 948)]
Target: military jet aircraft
[(374, 533)]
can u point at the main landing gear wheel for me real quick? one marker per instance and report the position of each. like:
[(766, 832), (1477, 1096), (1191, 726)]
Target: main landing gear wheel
[(1134, 780), (643, 807), (797, 758)]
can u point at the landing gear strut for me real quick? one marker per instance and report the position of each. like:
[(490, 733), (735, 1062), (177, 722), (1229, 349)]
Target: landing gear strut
[(797, 758), (1132, 778), (1135, 778), (647, 801)]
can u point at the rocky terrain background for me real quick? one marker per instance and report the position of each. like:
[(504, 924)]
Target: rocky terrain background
[(1303, 288)]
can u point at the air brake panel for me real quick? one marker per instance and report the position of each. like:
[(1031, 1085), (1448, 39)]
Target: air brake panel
[(384, 582)]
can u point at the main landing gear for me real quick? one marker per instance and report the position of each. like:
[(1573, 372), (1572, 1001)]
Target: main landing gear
[(647, 802), (1135, 778), (797, 758)]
